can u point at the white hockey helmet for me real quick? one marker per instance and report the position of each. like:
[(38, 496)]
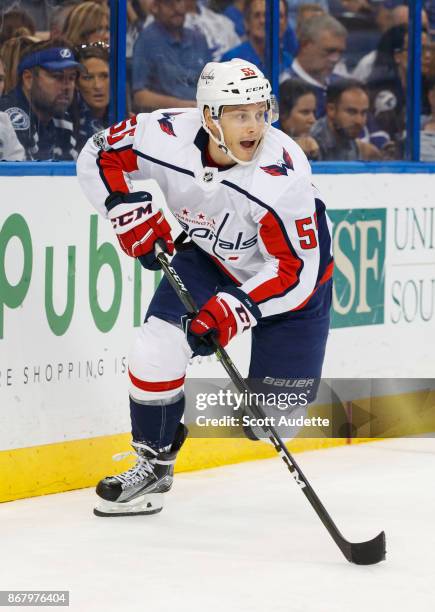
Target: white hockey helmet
[(233, 83)]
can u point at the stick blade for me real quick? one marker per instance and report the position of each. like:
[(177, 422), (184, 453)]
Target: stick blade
[(368, 553)]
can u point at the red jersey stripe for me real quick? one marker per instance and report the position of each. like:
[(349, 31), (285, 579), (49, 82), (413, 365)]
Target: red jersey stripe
[(328, 273), (165, 385), (113, 163), (289, 265)]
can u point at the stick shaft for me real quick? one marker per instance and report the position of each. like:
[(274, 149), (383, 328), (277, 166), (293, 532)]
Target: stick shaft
[(256, 411)]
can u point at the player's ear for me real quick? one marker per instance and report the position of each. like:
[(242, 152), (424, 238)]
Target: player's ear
[(207, 118)]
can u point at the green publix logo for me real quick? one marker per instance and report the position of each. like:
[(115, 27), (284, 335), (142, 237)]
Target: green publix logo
[(105, 254), (359, 245)]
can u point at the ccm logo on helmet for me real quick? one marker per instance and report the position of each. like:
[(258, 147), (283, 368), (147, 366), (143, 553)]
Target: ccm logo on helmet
[(131, 216), (259, 88)]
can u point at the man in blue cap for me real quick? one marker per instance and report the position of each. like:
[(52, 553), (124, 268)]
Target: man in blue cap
[(38, 106)]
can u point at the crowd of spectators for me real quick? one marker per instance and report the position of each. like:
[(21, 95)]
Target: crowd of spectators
[(54, 89), (343, 70)]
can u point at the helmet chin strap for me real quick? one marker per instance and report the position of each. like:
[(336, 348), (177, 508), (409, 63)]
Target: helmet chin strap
[(225, 148)]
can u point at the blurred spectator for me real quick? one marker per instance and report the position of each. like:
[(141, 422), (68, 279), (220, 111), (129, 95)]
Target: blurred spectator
[(429, 5), (399, 15), (93, 86), (2, 77), (253, 49), (322, 42), (388, 80), (341, 7), (297, 107), (37, 107), (137, 13), (218, 30), (346, 117), (137, 10), (429, 120), (15, 23), (305, 12), (58, 17), (234, 11), (359, 17), (295, 5), (38, 11), (168, 59), (10, 147), (86, 23), (427, 136), (10, 54)]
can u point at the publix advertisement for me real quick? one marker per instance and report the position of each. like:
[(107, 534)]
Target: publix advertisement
[(70, 300)]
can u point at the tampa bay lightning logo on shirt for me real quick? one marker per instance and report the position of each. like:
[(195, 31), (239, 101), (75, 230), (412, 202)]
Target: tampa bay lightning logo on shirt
[(281, 167), (166, 123), (19, 119)]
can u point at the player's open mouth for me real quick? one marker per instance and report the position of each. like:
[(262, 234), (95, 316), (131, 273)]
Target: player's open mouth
[(248, 144)]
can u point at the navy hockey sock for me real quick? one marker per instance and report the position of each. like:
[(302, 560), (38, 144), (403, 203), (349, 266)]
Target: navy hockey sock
[(155, 424)]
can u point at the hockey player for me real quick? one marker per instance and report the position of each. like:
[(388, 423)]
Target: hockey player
[(261, 257)]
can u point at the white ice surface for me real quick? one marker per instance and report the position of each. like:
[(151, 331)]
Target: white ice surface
[(240, 538)]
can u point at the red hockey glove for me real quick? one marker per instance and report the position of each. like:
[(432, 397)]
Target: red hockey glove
[(138, 226), (223, 317)]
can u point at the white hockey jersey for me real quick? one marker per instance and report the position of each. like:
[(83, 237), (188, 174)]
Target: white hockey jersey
[(264, 224)]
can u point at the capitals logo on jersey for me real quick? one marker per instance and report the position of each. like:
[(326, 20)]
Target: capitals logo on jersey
[(281, 167), (166, 123)]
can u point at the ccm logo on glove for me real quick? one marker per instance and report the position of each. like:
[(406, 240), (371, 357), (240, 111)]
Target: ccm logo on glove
[(131, 216), (138, 227)]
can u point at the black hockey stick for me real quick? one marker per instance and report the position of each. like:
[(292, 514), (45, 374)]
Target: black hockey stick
[(361, 553)]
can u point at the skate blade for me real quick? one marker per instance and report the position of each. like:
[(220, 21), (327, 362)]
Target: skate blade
[(147, 504)]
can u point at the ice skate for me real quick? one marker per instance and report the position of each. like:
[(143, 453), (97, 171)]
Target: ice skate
[(140, 489)]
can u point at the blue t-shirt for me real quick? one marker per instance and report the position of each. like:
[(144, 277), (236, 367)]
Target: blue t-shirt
[(247, 52), (289, 40), (237, 18), (168, 66)]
